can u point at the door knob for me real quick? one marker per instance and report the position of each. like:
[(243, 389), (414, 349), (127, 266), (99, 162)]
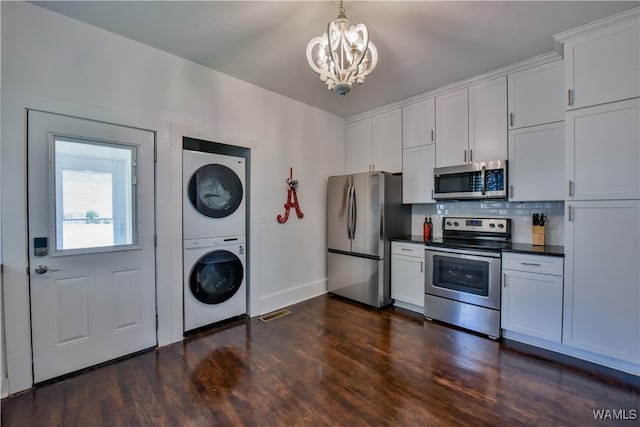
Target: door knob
[(41, 269)]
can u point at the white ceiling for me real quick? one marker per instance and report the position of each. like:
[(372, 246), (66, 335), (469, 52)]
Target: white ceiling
[(422, 45)]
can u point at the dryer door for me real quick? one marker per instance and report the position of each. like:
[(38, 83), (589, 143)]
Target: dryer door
[(215, 191), (216, 277)]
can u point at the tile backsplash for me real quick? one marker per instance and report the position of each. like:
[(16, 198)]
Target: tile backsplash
[(519, 212)]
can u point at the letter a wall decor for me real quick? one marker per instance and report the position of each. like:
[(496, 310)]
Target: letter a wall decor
[(292, 199)]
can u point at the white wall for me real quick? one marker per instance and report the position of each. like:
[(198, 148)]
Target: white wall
[(54, 63)]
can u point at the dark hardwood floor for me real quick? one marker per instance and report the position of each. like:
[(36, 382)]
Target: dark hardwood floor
[(330, 362)]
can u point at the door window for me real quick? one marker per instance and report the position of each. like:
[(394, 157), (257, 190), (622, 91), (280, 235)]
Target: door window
[(216, 277), (215, 191), (95, 190)]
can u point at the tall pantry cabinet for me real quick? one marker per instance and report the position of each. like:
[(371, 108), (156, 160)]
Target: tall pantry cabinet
[(602, 190), (418, 151)]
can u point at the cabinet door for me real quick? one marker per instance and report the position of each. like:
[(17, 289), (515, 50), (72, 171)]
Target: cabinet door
[(532, 304), (419, 123), (602, 278), (359, 152), (603, 66), (536, 95), (488, 121), (387, 142), (417, 174), (603, 152), (452, 128), (536, 163), (407, 279)]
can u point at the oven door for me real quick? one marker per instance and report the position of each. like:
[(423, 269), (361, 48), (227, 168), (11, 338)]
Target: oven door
[(465, 276)]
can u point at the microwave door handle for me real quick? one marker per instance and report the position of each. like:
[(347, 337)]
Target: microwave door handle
[(483, 180)]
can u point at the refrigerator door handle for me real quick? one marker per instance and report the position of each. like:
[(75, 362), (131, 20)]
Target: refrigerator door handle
[(349, 213)]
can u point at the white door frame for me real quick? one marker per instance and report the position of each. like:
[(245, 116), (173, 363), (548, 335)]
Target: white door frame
[(14, 225)]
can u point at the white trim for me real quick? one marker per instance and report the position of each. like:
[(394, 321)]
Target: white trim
[(624, 17), (14, 227), (609, 362), (500, 72), (4, 388), (277, 300)]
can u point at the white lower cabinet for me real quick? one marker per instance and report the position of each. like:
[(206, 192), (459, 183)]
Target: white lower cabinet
[(407, 275), (532, 288), (602, 289)]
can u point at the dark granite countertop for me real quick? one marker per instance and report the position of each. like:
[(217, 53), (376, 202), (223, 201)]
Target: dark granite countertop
[(409, 239), (524, 248)]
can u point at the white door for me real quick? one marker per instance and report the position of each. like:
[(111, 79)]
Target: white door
[(91, 242)]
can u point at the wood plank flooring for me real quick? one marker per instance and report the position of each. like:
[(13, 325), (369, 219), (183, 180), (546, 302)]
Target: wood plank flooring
[(330, 362)]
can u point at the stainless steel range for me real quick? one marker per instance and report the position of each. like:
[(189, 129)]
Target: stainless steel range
[(462, 273)]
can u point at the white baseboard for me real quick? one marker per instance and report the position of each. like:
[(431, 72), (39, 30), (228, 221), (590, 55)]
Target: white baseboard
[(620, 365), (4, 387), (278, 300)]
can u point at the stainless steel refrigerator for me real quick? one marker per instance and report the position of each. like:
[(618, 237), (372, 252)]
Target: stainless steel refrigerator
[(364, 211)]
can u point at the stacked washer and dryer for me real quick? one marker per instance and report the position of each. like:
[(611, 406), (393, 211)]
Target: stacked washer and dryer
[(214, 228)]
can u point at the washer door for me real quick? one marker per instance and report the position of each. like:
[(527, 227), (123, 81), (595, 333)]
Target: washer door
[(215, 191), (216, 277)]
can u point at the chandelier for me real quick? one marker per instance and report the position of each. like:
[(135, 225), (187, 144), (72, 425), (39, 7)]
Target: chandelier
[(343, 55)]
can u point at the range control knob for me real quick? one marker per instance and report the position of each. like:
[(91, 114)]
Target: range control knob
[(500, 225), (449, 223), (492, 225), (456, 223)]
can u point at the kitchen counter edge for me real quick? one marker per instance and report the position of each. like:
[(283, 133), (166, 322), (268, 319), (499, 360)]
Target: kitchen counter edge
[(523, 248)]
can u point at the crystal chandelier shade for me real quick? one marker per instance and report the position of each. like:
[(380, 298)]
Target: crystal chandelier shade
[(343, 55)]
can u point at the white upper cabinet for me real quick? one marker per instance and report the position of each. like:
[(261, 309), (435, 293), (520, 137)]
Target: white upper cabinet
[(387, 141), (452, 128), (417, 174), (375, 144), (419, 124), (359, 150), (536, 95), (603, 65), (536, 163), (603, 152), (471, 124), (488, 121)]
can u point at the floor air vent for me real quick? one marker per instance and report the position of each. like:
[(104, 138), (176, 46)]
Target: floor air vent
[(275, 315)]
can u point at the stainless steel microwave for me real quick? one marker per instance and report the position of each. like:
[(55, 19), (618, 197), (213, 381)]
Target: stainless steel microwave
[(482, 180)]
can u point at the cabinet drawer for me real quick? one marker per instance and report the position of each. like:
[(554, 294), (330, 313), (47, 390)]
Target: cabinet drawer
[(407, 249), (533, 263)]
